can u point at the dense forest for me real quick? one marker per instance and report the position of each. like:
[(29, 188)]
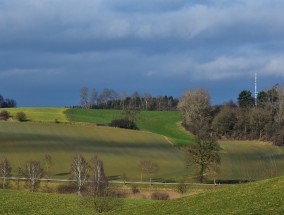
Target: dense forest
[(109, 99), (261, 119), (6, 102)]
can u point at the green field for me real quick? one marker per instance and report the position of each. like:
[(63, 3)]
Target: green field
[(263, 197), (166, 123), (40, 114), (250, 160), (120, 149)]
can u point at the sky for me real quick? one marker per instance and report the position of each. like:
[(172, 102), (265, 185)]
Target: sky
[(49, 49)]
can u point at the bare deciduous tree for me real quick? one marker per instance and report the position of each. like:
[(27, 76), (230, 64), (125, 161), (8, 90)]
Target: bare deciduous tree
[(100, 179), (195, 109), (93, 98), (148, 167), (84, 97), (203, 154), (48, 163), (80, 170), (5, 171), (33, 172)]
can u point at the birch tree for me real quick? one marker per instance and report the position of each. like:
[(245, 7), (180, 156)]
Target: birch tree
[(80, 170), (5, 171), (33, 172), (100, 179)]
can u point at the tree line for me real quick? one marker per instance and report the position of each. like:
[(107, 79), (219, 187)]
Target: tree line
[(110, 99), (7, 103), (262, 119)]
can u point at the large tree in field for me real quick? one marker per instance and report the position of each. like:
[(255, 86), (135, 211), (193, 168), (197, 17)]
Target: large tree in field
[(203, 154), (5, 171), (79, 171), (194, 106)]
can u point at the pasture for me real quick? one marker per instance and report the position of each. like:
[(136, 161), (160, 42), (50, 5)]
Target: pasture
[(250, 160), (40, 114), (166, 123), (236, 199), (120, 149)]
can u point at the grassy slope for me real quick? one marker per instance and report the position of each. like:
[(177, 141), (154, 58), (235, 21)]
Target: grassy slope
[(120, 149), (40, 114), (240, 159), (250, 159), (26, 203), (263, 197), (165, 123)]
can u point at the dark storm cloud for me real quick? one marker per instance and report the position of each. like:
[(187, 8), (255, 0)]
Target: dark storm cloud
[(160, 46)]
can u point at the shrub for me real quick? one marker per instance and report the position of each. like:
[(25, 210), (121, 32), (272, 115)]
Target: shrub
[(182, 188), (4, 115), (66, 188), (160, 196), (21, 116), (135, 189), (123, 123)]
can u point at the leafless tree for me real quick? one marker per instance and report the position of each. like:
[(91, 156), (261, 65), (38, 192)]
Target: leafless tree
[(148, 167), (204, 154), (48, 163), (100, 179), (279, 116), (84, 97), (147, 98), (80, 170), (93, 98), (5, 171), (195, 109), (33, 172)]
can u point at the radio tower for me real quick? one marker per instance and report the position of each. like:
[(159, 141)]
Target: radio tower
[(255, 89)]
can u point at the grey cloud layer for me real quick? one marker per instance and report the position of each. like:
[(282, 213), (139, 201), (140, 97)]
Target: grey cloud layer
[(95, 39)]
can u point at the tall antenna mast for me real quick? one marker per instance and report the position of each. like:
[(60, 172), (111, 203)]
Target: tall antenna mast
[(255, 89)]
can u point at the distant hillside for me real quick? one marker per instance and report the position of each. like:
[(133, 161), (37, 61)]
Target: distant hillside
[(166, 123)]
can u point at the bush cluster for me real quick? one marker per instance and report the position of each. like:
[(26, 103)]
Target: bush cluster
[(123, 123), (4, 115), (160, 196), (21, 116)]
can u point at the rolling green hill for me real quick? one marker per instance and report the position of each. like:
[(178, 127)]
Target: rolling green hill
[(166, 123), (120, 149), (40, 114), (123, 149), (263, 197)]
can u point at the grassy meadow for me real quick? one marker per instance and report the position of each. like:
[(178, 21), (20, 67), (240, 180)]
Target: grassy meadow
[(40, 114), (166, 123), (123, 149), (120, 149), (262, 197)]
